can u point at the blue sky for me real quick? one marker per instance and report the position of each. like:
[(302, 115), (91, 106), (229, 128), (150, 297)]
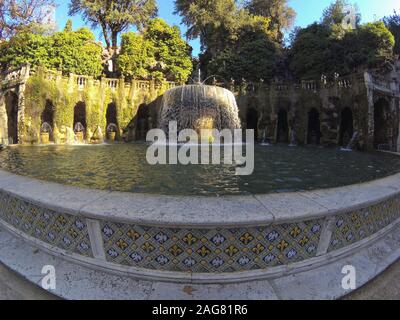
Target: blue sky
[(308, 11)]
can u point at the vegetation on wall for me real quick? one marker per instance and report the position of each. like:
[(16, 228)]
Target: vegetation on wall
[(68, 51), (157, 52)]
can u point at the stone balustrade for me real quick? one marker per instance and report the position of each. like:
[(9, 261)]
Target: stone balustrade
[(145, 85)]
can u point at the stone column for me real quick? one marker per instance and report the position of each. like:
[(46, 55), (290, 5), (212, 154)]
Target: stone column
[(371, 110), (25, 73), (3, 121)]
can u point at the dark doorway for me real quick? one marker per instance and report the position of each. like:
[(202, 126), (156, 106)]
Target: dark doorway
[(382, 126), (314, 127), (142, 122), (346, 127), (12, 117), (80, 114), (48, 114), (111, 114), (252, 121), (283, 127)]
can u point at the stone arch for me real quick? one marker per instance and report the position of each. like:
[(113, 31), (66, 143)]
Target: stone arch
[(80, 114), (48, 113), (142, 122), (252, 118), (383, 131), (80, 117), (282, 132), (47, 116), (346, 127), (314, 127), (11, 108), (112, 116)]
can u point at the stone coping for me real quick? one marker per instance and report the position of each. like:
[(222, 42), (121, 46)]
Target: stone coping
[(199, 212)]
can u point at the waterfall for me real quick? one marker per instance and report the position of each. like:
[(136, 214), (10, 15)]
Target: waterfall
[(352, 143), (199, 107), (293, 140), (264, 141)]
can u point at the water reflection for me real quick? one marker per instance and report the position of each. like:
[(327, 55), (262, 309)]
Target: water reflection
[(124, 168)]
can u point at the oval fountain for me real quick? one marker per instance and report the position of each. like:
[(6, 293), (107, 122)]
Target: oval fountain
[(119, 228)]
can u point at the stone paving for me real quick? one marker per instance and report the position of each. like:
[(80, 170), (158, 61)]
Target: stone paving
[(14, 287), (385, 287)]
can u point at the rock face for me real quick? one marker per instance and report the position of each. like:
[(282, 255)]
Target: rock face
[(199, 107)]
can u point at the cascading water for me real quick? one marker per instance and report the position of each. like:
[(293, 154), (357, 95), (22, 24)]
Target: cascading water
[(199, 107), (293, 140), (352, 143), (264, 141)]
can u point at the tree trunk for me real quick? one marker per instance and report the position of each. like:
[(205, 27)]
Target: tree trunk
[(114, 39)]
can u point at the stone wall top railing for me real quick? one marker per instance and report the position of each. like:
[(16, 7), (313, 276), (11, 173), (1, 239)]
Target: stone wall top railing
[(16, 75), (344, 83), (381, 82)]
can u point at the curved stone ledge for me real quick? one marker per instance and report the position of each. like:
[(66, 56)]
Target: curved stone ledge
[(218, 239)]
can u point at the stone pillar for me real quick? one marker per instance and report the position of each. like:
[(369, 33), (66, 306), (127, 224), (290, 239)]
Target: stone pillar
[(371, 110), (25, 73), (3, 121)]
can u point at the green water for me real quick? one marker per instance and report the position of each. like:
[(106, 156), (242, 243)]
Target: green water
[(124, 168)]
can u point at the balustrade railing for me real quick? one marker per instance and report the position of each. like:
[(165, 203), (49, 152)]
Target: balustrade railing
[(82, 82)]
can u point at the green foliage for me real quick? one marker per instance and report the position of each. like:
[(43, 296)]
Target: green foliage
[(158, 52), (76, 52), (133, 60), (26, 48), (115, 16), (281, 14), (316, 50), (67, 51), (236, 43), (370, 45), (393, 24), (253, 56)]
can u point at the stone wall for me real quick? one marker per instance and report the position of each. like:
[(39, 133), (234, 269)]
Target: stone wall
[(353, 97), (42, 88), (310, 112)]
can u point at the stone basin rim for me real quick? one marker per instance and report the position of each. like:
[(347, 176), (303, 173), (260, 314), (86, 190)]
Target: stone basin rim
[(198, 211)]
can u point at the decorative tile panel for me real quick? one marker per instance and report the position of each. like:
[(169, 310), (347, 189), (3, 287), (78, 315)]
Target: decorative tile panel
[(197, 250), (358, 225), (206, 251), (60, 230)]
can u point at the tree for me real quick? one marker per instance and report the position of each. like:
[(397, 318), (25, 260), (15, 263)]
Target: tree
[(115, 16), (213, 21), (369, 46), (311, 54), (253, 56), (25, 47), (393, 24), (157, 52), (236, 43), (281, 15), (67, 51), (334, 14), (17, 15), (76, 52), (316, 52)]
